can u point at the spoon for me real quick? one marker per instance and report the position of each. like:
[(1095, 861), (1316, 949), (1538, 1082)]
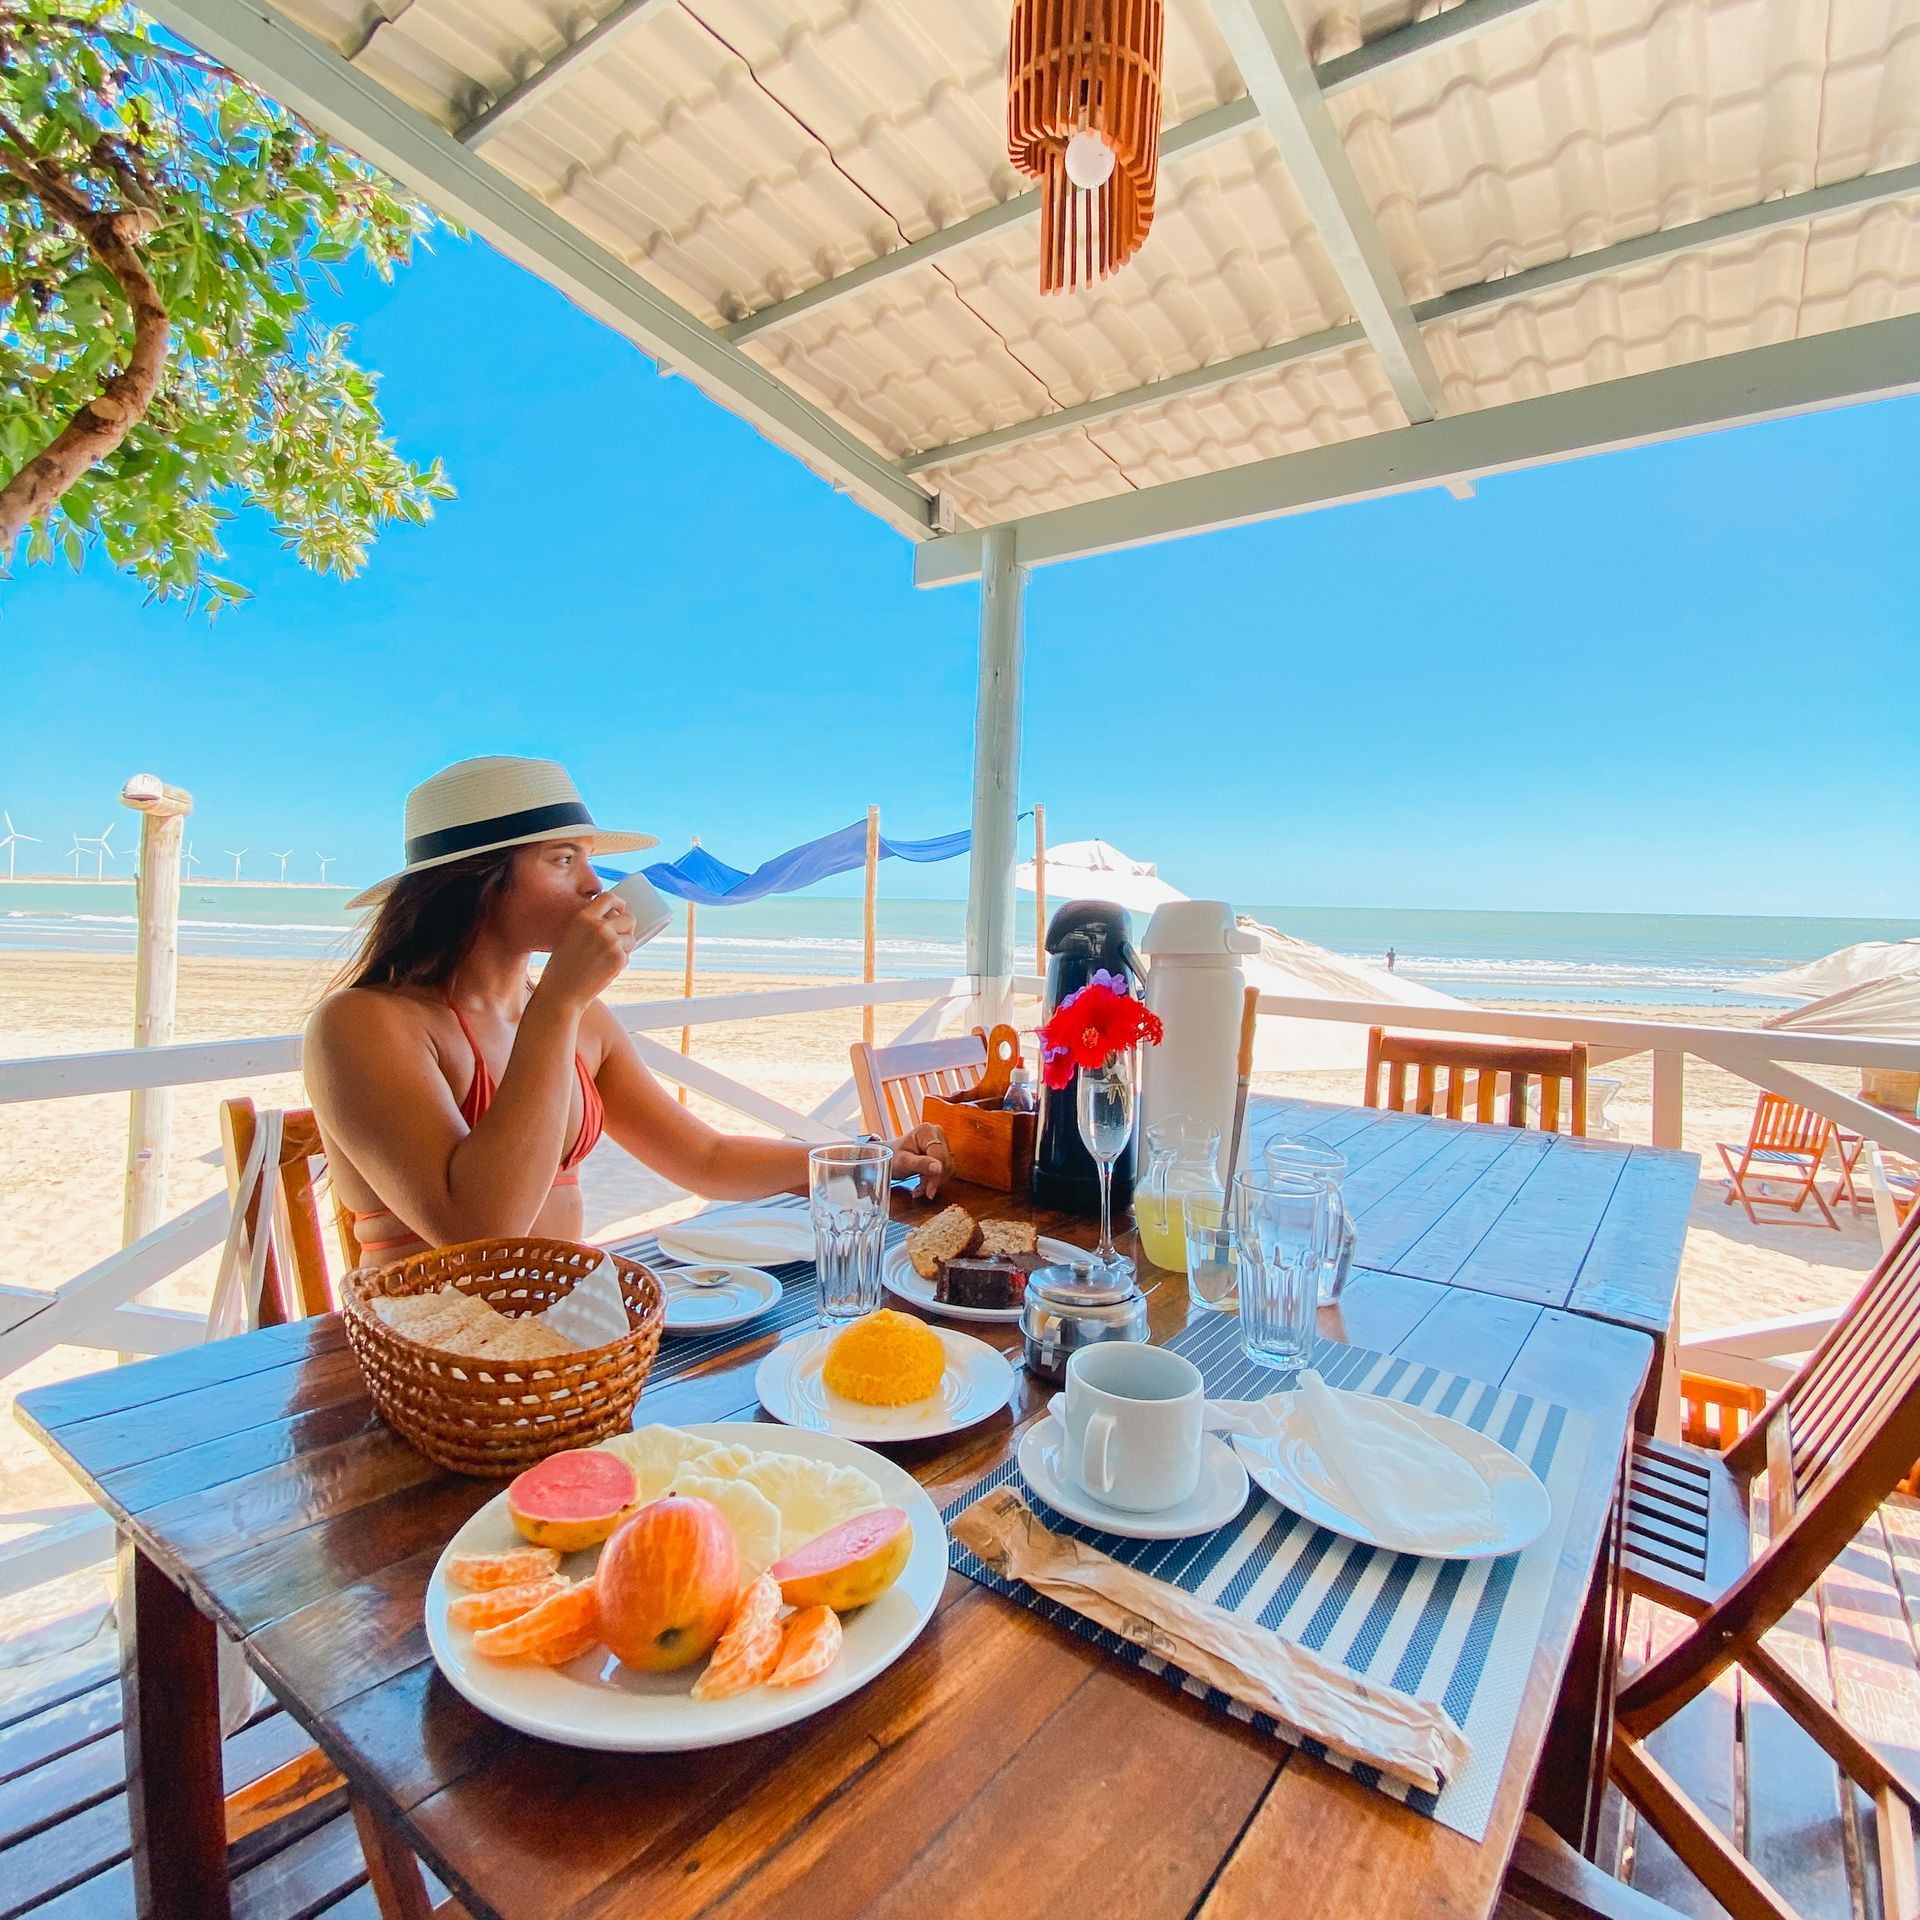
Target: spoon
[(699, 1276)]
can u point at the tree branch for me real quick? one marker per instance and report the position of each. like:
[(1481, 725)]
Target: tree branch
[(95, 429)]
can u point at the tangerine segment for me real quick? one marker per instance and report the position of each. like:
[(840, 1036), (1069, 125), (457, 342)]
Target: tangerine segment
[(810, 1645), (558, 1618), (478, 1572), (746, 1652), (561, 1651), (498, 1605)]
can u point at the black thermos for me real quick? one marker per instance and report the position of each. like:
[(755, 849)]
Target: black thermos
[(1083, 937)]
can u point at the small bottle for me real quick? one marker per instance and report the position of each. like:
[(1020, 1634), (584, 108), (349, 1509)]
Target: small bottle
[(1022, 1095)]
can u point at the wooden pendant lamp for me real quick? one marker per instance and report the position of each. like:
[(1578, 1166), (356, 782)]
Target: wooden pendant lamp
[(1091, 68)]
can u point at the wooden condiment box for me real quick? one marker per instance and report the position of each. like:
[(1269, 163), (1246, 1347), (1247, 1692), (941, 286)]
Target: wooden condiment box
[(990, 1147)]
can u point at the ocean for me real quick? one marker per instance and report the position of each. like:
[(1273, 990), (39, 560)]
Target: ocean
[(1597, 958)]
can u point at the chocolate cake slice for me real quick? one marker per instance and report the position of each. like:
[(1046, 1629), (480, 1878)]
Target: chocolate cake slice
[(992, 1280)]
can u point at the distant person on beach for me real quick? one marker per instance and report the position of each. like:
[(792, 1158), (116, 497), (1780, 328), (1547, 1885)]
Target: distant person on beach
[(1390, 959), (456, 1095)]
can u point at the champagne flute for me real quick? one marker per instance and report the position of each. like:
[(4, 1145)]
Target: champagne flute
[(1104, 1106)]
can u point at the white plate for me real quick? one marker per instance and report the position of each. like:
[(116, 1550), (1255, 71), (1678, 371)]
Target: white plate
[(1288, 1466), (770, 1237), (899, 1278), (1221, 1494), (978, 1382), (744, 1295), (596, 1702)]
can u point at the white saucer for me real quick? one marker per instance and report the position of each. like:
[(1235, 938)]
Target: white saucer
[(898, 1277), (1288, 1466), (1221, 1494), (977, 1384), (745, 1294)]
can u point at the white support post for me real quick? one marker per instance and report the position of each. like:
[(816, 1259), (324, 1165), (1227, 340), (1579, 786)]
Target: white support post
[(156, 982), (996, 775), (1669, 1096)]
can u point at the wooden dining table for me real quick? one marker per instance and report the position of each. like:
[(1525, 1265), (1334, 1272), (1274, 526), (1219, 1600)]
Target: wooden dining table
[(1002, 1766)]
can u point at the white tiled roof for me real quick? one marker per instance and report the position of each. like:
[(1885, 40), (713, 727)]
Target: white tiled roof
[(738, 152)]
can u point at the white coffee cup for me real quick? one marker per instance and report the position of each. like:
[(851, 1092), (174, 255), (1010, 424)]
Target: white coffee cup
[(1131, 1421), (651, 914)]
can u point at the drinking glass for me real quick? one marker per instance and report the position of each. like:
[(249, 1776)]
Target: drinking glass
[(1316, 1157), (848, 1191), (1280, 1227), (1212, 1278), (1104, 1104)]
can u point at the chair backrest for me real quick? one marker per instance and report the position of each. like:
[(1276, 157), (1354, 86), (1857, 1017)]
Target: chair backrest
[(894, 1081), (1782, 1126), (307, 1289), (1486, 1061), (1834, 1443)]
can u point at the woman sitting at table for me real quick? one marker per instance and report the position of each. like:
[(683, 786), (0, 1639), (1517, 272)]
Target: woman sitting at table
[(456, 1095)]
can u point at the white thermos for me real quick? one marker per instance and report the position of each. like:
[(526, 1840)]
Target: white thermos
[(1194, 983)]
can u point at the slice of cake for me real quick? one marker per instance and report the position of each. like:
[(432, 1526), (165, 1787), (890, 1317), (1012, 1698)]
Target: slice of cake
[(1008, 1236), (945, 1237), (993, 1280)]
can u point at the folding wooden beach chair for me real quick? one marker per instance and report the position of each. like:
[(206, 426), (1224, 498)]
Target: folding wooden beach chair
[(1839, 1439), (1488, 1061), (1786, 1143)]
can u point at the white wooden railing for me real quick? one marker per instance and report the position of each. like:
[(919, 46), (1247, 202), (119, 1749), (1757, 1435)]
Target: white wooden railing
[(100, 1309)]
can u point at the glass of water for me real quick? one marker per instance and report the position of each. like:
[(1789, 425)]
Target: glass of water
[(1317, 1158), (1280, 1228), (848, 1190), (1212, 1278)]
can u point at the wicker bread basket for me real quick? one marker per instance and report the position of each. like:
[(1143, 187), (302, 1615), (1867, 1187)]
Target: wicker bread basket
[(492, 1418)]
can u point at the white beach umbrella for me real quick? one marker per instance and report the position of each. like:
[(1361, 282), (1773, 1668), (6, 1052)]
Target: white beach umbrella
[(1286, 965), (1883, 1009), (1851, 967), (1093, 870)]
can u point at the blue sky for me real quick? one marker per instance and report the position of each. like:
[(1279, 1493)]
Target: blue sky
[(1677, 680)]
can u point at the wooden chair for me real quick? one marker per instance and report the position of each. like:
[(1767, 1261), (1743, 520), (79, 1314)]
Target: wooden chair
[(1787, 1142), (1834, 1444), (307, 1289), (894, 1082), (284, 1297), (1488, 1060)]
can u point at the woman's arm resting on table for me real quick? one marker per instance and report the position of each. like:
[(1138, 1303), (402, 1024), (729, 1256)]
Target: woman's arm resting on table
[(655, 1128)]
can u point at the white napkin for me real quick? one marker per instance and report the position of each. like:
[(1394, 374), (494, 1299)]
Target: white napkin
[(748, 1239), (594, 1312), (1387, 1470)]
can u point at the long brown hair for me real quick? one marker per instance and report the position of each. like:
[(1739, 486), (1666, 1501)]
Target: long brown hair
[(427, 925)]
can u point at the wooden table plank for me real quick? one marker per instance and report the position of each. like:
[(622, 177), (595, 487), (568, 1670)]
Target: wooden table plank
[(1628, 1274), (1535, 1249), (257, 1476)]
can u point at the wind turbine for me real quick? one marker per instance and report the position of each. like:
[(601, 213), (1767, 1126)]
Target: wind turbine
[(73, 853), (235, 856), (326, 860), (283, 858), (104, 842), (14, 835), (188, 861)]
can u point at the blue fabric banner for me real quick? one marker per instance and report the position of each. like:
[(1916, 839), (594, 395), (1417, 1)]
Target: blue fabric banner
[(709, 882)]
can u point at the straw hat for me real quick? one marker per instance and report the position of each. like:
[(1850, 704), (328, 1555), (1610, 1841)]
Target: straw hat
[(475, 806)]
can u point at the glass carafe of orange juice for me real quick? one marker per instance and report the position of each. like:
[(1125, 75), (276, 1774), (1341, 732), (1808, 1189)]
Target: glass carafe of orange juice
[(1183, 1162)]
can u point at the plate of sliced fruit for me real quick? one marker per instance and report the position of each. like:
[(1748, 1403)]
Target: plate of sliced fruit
[(683, 1587)]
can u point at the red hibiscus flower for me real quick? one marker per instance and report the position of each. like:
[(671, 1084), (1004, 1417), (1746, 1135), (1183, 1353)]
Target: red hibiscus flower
[(1089, 1027)]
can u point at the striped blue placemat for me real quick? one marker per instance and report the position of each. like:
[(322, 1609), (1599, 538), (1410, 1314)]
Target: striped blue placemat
[(1461, 1632), (797, 1307)]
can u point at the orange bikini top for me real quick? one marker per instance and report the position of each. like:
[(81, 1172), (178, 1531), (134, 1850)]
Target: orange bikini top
[(479, 1098)]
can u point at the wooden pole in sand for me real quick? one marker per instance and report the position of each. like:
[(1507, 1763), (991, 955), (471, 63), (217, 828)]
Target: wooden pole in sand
[(156, 980), (686, 984), (1040, 889), (873, 901)]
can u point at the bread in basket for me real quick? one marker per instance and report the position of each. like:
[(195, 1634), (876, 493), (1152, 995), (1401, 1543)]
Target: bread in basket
[(492, 1418)]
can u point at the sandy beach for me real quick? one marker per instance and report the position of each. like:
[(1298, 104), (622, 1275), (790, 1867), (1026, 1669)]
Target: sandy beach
[(62, 1162)]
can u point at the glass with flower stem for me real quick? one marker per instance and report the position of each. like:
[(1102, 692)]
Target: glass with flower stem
[(1104, 1103)]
